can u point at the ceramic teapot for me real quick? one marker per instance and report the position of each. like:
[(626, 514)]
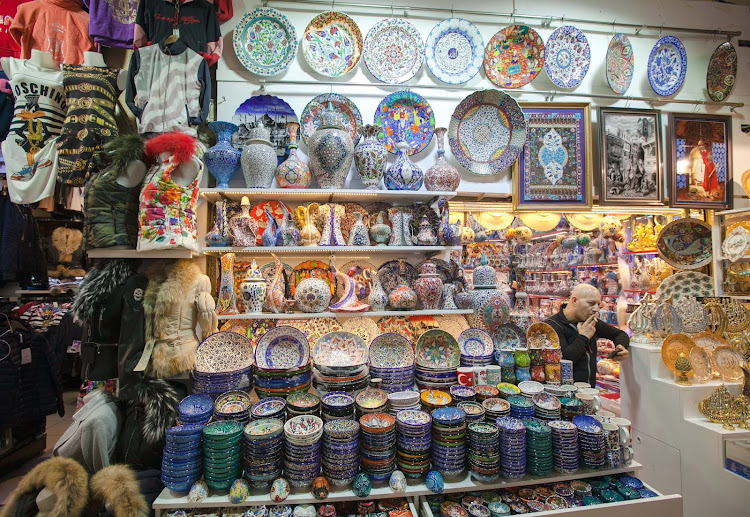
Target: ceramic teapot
[(426, 236)]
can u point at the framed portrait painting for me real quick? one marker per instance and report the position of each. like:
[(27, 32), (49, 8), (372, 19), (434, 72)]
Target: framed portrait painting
[(700, 152), (554, 170), (630, 157)]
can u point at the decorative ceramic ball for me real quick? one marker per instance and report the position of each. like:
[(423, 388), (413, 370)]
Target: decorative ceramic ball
[(434, 482), (320, 488), (523, 235), (397, 482), (198, 492), (510, 233), (279, 490), (569, 242), (361, 485), (583, 239), (239, 491), (610, 225), (327, 510)]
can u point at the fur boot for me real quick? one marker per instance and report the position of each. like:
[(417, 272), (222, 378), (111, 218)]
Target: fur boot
[(99, 283), (117, 487)]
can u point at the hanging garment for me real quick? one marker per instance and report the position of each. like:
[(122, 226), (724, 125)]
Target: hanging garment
[(11, 230), (91, 96), (6, 105), (8, 46), (111, 22), (32, 263)]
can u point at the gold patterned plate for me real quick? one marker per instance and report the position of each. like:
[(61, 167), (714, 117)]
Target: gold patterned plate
[(701, 363), (673, 346), (728, 363), (709, 341), (541, 335)]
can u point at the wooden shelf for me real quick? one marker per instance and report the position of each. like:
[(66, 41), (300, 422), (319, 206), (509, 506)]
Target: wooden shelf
[(318, 250), (368, 314), (115, 253), (323, 195)]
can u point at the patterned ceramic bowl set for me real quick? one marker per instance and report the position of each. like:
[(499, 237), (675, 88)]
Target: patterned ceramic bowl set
[(340, 451), (222, 448), (413, 442), (182, 459), (263, 451), (378, 445), (302, 450), (449, 441)]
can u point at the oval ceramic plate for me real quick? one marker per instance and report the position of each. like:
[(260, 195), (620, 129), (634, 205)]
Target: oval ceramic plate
[(351, 118), (701, 363), (332, 44), (686, 283), (487, 132), (514, 56), (509, 336), (454, 50), (265, 41), (722, 70), (340, 349), (282, 348), (224, 352), (568, 56), (542, 335), (475, 343), (667, 66), (391, 350), (673, 346), (685, 244), (405, 116), (393, 50), (619, 63), (728, 363), (437, 349), (454, 324)]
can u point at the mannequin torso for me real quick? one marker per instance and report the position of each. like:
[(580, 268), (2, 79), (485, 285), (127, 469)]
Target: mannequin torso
[(96, 59), (38, 58)]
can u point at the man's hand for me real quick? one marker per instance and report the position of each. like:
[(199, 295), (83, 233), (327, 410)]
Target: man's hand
[(588, 328), (622, 353)]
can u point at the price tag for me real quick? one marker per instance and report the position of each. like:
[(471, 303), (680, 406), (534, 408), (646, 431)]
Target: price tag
[(25, 355)]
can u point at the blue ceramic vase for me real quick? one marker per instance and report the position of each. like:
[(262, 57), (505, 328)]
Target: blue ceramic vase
[(403, 175), (223, 160)]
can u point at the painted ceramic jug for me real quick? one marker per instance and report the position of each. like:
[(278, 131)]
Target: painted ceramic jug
[(403, 297), (425, 237), (403, 175), (253, 289), (449, 234), (219, 234), (309, 234), (380, 231), (429, 286), (272, 235), (259, 158), (226, 303), (378, 297), (293, 172), (223, 160), (243, 227), (331, 151), (442, 176), (331, 216), (359, 234), (289, 232), (370, 156), (449, 290), (400, 231), (275, 299)]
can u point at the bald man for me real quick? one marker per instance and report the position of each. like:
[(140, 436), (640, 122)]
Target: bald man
[(578, 328)]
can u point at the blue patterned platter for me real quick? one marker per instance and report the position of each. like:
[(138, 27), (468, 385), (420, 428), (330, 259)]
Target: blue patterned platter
[(667, 66), (391, 350), (224, 351), (448, 415), (454, 51), (282, 348), (393, 50), (405, 116), (568, 56), (197, 405), (587, 424), (509, 336), (265, 41)]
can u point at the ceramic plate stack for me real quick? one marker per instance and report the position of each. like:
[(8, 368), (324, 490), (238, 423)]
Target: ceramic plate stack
[(223, 362), (546, 406), (591, 441), (347, 379), (392, 360), (570, 407), (402, 401), (564, 446), (377, 446), (302, 449), (340, 363), (282, 358), (264, 448), (340, 451), (485, 392), (233, 405), (437, 357), (195, 409), (494, 408), (449, 441), (530, 388), (282, 383), (222, 452), (506, 389), (182, 460), (484, 451), (337, 405), (302, 403), (463, 393), (512, 447), (477, 347), (538, 447), (434, 399), (370, 400), (520, 406), (474, 411), (413, 442), (271, 407)]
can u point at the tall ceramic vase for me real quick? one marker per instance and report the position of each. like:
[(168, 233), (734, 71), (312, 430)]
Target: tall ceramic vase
[(442, 176), (403, 175), (370, 156), (226, 303), (293, 172), (331, 151), (219, 234), (429, 286), (378, 297), (259, 158), (400, 227), (223, 160)]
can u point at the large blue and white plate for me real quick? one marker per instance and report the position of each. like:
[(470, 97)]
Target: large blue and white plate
[(667, 66), (393, 51), (568, 56), (454, 50), (265, 41), (282, 348)]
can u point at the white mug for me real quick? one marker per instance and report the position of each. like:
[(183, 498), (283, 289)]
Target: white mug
[(590, 404), (625, 431), (582, 385), (480, 375), (605, 415)]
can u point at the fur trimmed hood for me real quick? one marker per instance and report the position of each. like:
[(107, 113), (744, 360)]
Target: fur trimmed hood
[(158, 400), (117, 487), (98, 284)]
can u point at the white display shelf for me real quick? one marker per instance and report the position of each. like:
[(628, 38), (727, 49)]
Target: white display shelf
[(311, 315), (322, 195), (737, 434), (318, 250), (115, 253)]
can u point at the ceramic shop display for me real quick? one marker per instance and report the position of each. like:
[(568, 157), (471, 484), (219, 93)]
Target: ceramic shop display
[(568, 56), (219, 234), (721, 72), (441, 176), (223, 160), (429, 287), (370, 156), (244, 228), (265, 42), (454, 51), (514, 56), (619, 63), (393, 50), (258, 158), (253, 289), (405, 116), (312, 295), (293, 172), (350, 118), (667, 66), (331, 152), (403, 174), (332, 44)]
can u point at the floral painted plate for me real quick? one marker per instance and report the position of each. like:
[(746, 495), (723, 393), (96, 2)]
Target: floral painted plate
[(317, 327), (454, 51), (405, 116), (332, 44), (312, 269), (509, 336), (487, 132), (265, 41), (340, 349), (364, 327), (437, 349), (619, 63), (475, 343), (398, 324), (514, 56), (454, 324), (685, 244), (258, 212), (393, 51), (311, 115), (224, 352), (667, 66), (722, 71), (391, 350), (282, 348), (542, 335), (568, 56)]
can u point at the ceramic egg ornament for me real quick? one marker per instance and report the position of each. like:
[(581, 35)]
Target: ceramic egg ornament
[(434, 482), (239, 491), (397, 482), (320, 488), (198, 492), (279, 490), (361, 485), (610, 225)]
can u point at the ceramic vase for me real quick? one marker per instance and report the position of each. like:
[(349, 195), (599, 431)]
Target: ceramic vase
[(425, 237), (380, 231), (348, 301), (403, 175), (359, 235), (449, 234), (272, 235), (403, 297), (293, 172), (259, 158), (275, 299), (219, 234), (226, 303), (309, 234), (370, 156), (331, 215), (312, 295), (463, 299), (253, 289), (429, 286), (400, 227), (449, 290), (442, 175), (331, 151), (223, 160), (289, 232), (243, 227), (378, 297)]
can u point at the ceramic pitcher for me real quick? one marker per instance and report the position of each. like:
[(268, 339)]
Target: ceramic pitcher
[(331, 215), (309, 234), (400, 231), (359, 234)]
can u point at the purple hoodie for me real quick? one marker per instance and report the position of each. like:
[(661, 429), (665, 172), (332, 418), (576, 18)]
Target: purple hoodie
[(111, 22)]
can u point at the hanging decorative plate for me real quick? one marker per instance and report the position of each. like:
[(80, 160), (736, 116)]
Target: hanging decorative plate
[(312, 269), (393, 50), (619, 63), (514, 56), (685, 243), (673, 346), (258, 212), (397, 324), (391, 350), (273, 112), (722, 70), (487, 132), (224, 352), (437, 349), (340, 349), (667, 65), (454, 324), (686, 283), (542, 335), (421, 324), (389, 276), (311, 115), (454, 50), (265, 41), (728, 363), (405, 116), (332, 44), (568, 56), (736, 244), (509, 336), (475, 343), (282, 348), (701, 363), (361, 326)]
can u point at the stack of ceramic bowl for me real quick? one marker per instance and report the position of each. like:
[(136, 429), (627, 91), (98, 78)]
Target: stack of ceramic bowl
[(350, 379), (340, 363), (437, 356), (538, 447), (520, 406), (302, 449), (484, 451), (499, 509), (195, 409), (403, 400), (282, 383), (557, 391), (282, 360), (223, 362), (233, 405), (434, 399), (474, 411), (337, 405), (453, 509), (413, 442), (377, 445), (271, 407), (476, 347), (302, 403), (222, 452), (494, 408), (462, 394), (591, 441), (340, 451), (182, 459), (546, 406), (370, 400), (512, 447), (391, 358), (530, 388), (564, 446), (570, 407), (485, 392), (506, 389), (264, 448), (449, 441)]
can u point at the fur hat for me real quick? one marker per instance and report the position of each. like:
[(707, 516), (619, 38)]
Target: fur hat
[(180, 146), (117, 487)]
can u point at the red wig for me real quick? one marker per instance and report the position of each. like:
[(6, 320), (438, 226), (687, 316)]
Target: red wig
[(180, 146)]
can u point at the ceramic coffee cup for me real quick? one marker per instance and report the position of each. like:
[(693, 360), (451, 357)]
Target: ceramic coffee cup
[(494, 375), (480, 375), (582, 385), (612, 436), (627, 454), (625, 430), (614, 458), (590, 404), (465, 376), (605, 415)]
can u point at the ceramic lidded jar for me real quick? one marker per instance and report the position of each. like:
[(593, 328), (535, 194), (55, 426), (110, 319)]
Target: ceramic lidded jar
[(259, 158), (370, 156), (429, 286), (491, 306), (484, 275), (253, 289), (380, 231), (426, 236), (223, 160), (403, 175), (312, 295), (293, 172), (331, 151), (442, 176)]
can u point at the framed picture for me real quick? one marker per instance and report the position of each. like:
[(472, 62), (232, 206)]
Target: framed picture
[(630, 157), (554, 170), (700, 153)]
